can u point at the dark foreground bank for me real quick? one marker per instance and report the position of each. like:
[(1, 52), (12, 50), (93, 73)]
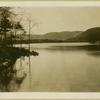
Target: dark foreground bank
[(15, 52), (8, 72)]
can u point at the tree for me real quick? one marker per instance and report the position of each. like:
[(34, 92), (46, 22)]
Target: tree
[(30, 27), (5, 23), (8, 26), (93, 35)]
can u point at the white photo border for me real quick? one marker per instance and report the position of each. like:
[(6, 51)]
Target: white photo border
[(50, 95)]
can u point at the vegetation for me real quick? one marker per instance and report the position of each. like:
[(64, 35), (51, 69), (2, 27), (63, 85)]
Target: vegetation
[(93, 35), (8, 26)]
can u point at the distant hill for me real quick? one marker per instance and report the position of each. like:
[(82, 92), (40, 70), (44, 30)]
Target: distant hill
[(55, 36), (64, 36), (90, 35)]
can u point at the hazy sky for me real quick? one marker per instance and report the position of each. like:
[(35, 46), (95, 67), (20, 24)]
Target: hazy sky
[(53, 19)]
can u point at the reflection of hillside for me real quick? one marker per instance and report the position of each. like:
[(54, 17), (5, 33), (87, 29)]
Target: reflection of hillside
[(87, 47)]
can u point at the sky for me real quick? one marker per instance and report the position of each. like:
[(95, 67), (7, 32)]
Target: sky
[(56, 19)]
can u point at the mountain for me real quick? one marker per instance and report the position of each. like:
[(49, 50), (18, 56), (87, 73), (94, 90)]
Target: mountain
[(55, 36), (61, 35), (65, 36), (90, 35)]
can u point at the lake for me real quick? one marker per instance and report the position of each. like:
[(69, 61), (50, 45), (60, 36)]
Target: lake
[(59, 67)]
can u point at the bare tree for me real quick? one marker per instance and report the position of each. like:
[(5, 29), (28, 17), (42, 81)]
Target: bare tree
[(31, 25)]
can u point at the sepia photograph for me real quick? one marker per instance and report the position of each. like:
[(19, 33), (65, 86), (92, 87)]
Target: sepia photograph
[(49, 49)]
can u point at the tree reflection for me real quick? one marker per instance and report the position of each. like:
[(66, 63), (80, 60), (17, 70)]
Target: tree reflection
[(9, 76)]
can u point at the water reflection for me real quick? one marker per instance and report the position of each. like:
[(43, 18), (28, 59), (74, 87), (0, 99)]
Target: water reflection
[(72, 48), (64, 68), (92, 50), (59, 67), (10, 76)]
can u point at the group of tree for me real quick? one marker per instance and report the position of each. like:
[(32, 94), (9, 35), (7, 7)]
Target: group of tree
[(93, 35), (9, 26)]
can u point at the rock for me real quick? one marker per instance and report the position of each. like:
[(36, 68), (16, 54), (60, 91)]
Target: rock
[(35, 53)]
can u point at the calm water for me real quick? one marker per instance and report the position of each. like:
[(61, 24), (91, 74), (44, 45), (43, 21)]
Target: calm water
[(60, 67)]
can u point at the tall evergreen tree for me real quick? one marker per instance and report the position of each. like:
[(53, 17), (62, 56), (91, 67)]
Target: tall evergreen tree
[(7, 23)]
